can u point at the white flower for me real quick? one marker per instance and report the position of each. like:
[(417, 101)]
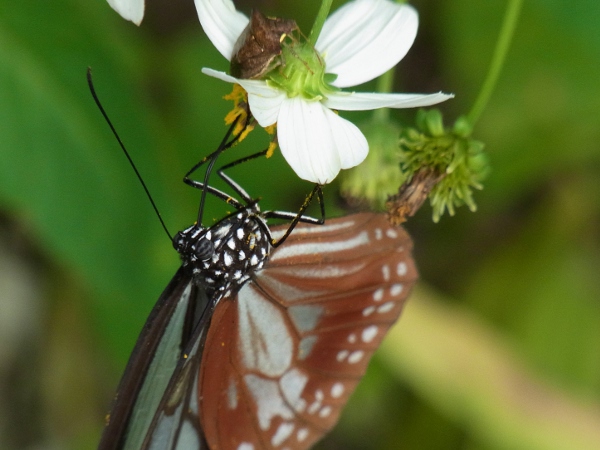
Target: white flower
[(359, 42), (132, 10)]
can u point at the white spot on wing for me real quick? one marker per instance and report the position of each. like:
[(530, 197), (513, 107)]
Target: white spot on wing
[(391, 233), (356, 356), (369, 333), (352, 338), (283, 432), (232, 394), (311, 248), (245, 446), (378, 295), (385, 308), (386, 272), (337, 390), (396, 289), (401, 269), (269, 402), (315, 229), (231, 244), (378, 234), (302, 434), (342, 355), (325, 412), (292, 384), (305, 317), (321, 272), (368, 311), (265, 343), (305, 346)]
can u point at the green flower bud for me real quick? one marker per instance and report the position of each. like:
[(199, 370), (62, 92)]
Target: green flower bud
[(449, 152)]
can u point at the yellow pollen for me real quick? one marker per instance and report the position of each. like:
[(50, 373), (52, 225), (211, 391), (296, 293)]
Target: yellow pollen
[(240, 110)]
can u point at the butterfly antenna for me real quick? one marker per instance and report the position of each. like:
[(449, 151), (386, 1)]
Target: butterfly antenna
[(224, 145), (137, 173)]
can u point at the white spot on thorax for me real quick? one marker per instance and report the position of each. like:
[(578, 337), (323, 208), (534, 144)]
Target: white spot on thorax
[(227, 259), (223, 230)]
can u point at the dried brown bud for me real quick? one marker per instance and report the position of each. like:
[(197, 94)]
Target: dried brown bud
[(258, 48), (411, 195)]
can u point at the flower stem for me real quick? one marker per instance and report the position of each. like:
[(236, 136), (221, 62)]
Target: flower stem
[(384, 84), (511, 18), (319, 21)]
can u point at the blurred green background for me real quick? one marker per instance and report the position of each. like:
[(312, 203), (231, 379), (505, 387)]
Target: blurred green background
[(499, 347)]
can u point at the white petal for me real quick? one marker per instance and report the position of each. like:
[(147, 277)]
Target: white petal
[(222, 23), (316, 142), (365, 38), (264, 100), (266, 105), (132, 10), (365, 101)]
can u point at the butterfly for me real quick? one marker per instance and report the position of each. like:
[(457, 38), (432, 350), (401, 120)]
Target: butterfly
[(264, 332)]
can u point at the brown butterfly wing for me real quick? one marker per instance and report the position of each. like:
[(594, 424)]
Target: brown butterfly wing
[(282, 359)]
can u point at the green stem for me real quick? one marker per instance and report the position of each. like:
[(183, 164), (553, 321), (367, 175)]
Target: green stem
[(511, 18), (319, 21), (384, 84)]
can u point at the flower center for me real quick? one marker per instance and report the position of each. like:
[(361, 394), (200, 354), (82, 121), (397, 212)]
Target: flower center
[(302, 71)]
